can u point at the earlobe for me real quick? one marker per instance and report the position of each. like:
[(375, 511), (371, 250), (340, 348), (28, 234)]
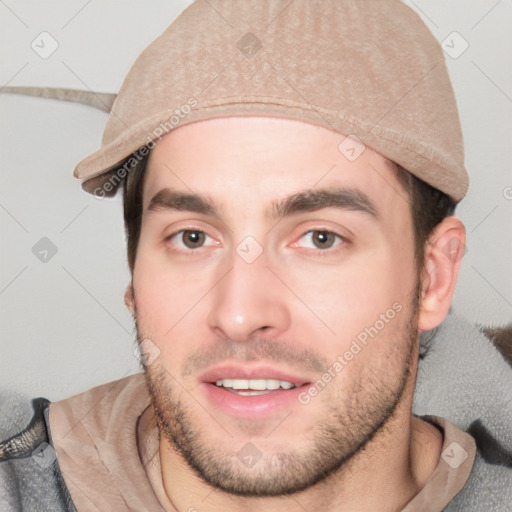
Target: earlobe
[(443, 255), (129, 299)]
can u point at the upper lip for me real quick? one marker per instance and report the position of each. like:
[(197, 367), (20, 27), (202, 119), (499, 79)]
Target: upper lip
[(246, 372)]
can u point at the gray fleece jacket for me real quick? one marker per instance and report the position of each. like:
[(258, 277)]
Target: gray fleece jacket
[(462, 377)]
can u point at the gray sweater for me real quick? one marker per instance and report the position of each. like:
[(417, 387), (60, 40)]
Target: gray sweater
[(462, 377)]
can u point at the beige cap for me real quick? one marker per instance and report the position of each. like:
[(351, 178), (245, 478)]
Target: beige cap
[(370, 69)]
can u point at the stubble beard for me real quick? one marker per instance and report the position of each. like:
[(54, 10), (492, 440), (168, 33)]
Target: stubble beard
[(340, 433)]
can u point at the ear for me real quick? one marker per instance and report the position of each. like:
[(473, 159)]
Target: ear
[(443, 255), (129, 299)]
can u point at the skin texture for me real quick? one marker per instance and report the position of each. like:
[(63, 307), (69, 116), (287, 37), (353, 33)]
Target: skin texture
[(296, 308)]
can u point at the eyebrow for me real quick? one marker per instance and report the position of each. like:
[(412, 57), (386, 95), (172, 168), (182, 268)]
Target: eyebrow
[(168, 199), (307, 201), (312, 200)]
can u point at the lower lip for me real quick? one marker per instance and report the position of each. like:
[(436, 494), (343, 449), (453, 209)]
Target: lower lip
[(252, 407)]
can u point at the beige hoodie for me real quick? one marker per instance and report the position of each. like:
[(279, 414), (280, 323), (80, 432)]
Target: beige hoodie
[(107, 444)]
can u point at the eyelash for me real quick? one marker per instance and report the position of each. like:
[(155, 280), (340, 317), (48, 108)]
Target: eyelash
[(323, 252)]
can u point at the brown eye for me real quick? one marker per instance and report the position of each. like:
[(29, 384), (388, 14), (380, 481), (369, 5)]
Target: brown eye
[(320, 239), (193, 239), (323, 239), (188, 239)]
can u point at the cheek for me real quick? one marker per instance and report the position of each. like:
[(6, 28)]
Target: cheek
[(170, 298), (162, 316), (353, 296), (156, 292)]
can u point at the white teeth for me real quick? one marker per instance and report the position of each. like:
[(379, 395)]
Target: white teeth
[(255, 384), (271, 384)]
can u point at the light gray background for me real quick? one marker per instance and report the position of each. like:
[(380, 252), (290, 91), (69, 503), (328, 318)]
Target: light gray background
[(64, 327)]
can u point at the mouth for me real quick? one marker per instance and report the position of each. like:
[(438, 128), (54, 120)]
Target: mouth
[(251, 392), (253, 387)]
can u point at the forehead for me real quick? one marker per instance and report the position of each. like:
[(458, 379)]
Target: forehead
[(244, 161)]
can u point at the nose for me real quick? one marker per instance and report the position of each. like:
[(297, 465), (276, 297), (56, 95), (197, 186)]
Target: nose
[(248, 301)]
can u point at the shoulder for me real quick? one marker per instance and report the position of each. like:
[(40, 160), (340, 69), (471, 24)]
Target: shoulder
[(465, 379), (489, 488), (30, 478), (16, 442)]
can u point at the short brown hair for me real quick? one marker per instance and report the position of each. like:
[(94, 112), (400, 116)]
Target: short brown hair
[(429, 206)]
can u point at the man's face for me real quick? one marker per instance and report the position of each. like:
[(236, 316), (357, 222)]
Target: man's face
[(295, 269)]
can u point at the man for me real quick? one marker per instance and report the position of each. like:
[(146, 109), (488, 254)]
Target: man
[(288, 183)]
